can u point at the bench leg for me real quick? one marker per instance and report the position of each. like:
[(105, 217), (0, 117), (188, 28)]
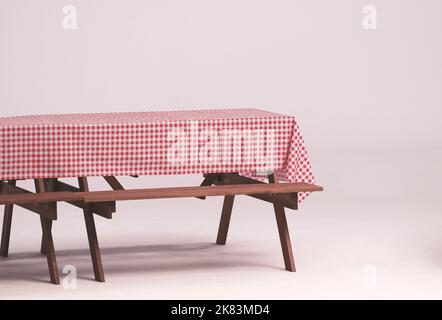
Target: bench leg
[(225, 220), (6, 230), (43, 246), (45, 185), (94, 247), (47, 242), (92, 236), (283, 230), (49, 248), (284, 237)]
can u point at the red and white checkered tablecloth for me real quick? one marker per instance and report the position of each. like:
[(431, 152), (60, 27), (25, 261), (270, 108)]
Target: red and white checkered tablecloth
[(249, 141)]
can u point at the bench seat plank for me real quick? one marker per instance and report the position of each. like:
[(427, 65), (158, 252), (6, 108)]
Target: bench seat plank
[(198, 191), (288, 200), (160, 193)]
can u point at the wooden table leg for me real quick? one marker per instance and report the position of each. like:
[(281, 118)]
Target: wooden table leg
[(225, 220), (49, 185), (92, 235), (6, 230), (283, 230), (47, 239), (43, 246), (50, 252)]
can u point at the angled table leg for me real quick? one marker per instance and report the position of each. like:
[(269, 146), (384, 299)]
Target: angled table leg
[(42, 246), (50, 252), (224, 223), (92, 235), (47, 239), (49, 185), (6, 230), (283, 230)]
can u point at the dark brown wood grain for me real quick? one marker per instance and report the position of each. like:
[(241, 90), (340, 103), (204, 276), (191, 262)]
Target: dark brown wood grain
[(7, 222), (48, 241), (288, 200), (160, 193), (36, 207), (181, 192), (103, 209), (224, 223), (92, 234), (50, 191), (209, 179), (283, 230), (114, 183), (49, 209)]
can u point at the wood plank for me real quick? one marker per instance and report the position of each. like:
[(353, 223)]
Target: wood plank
[(103, 209), (209, 179), (50, 251), (289, 200), (7, 222), (35, 207), (283, 230), (50, 209), (114, 183), (224, 222), (180, 192), (92, 235), (159, 193), (43, 244), (41, 198), (48, 241)]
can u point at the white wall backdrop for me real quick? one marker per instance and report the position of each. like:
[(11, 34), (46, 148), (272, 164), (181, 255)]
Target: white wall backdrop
[(309, 58), (369, 103)]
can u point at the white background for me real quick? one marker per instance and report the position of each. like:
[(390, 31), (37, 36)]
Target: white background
[(369, 104)]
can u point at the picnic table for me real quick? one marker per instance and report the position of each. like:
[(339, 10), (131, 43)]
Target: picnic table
[(248, 152)]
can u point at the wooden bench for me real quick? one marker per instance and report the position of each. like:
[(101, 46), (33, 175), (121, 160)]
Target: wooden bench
[(50, 191)]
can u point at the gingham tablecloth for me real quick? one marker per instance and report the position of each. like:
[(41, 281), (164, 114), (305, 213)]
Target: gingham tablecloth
[(249, 141)]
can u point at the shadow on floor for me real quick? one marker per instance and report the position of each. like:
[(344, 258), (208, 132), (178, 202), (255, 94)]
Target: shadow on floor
[(155, 259), (121, 250)]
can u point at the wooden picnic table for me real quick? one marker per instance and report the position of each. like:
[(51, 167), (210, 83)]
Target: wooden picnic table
[(238, 151)]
